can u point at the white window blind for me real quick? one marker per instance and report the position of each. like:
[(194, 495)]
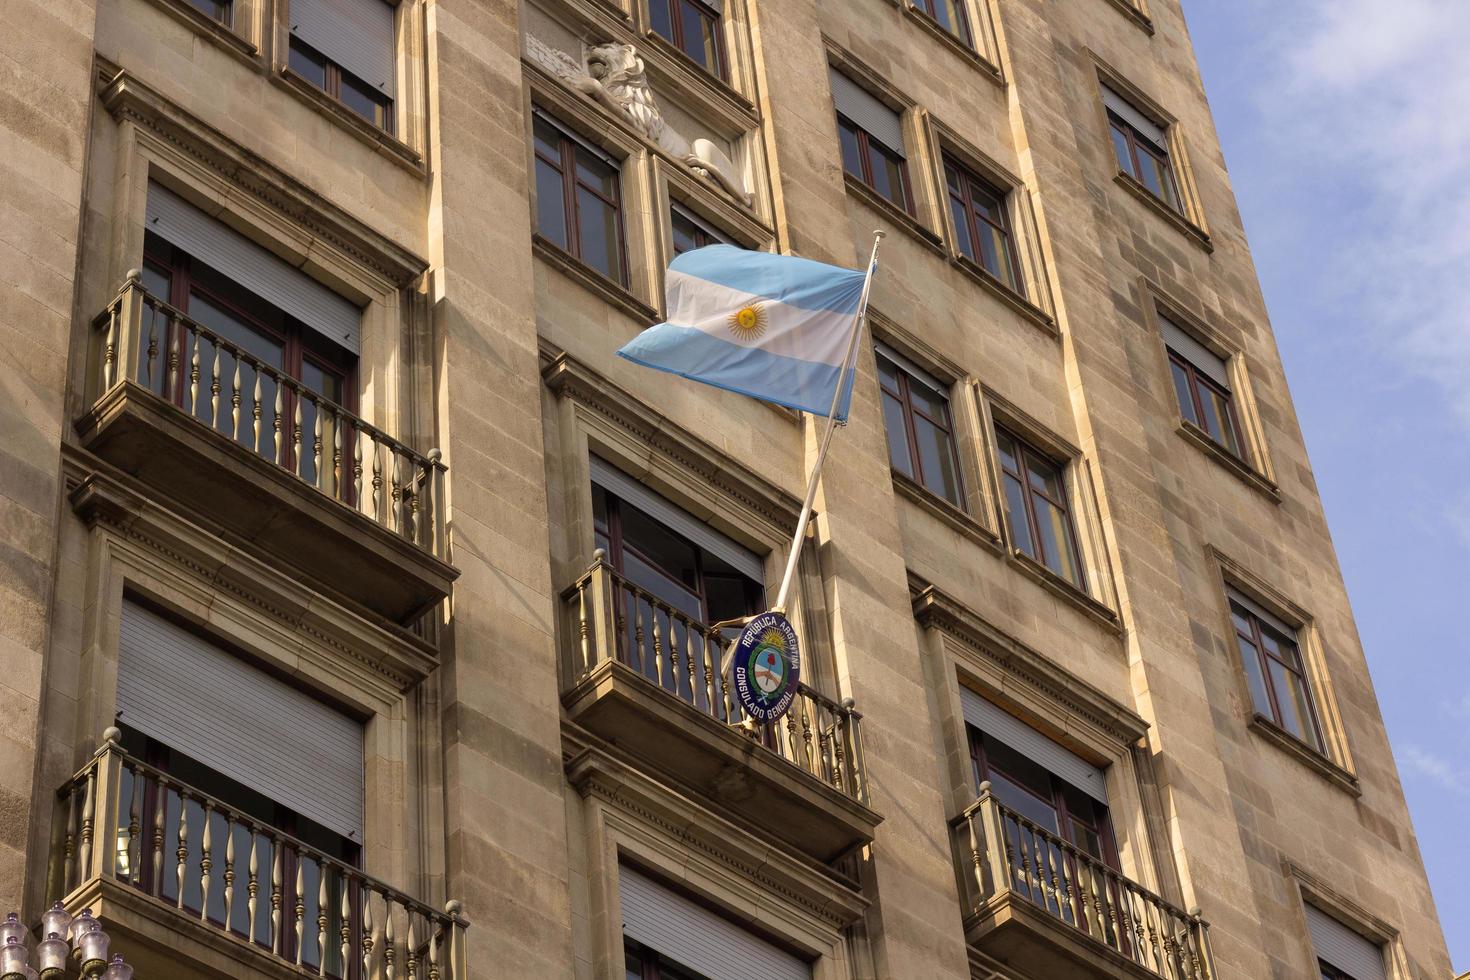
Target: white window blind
[(627, 489), (694, 937), (240, 260), (1355, 955), (866, 112), (1206, 361), (356, 34), (239, 721), (1125, 111), (1016, 734)]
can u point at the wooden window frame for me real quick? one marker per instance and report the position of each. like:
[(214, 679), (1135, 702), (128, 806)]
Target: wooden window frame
[(1196, 382), (965, 34), (721, 67), (906, 405), (867, 147), (655, 965), (1137, 144), (332, 76), (1026, 451), (1264, 661), (565, 165), (969, 181), (704, 236)]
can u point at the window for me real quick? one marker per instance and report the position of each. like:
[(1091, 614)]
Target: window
[(691, 233), (214, 10), (921, 442), (951, 16), (1202, 387), (692, 26), (1141, 148), (346, 49), (1343, 953), (1036, 503), (578, 200), (642, 963), (872, 141), (1275, 670), (981, 224)]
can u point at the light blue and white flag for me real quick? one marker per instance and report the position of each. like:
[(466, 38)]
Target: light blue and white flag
[(774, 327)]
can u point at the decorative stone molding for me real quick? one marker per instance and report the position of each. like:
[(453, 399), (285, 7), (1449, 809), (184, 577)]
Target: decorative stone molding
[(1030, 670)]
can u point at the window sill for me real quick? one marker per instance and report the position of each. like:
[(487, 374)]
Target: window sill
[(1138, 17), (385, 143), (694, 73), (1323, 766), (976, 60), (615, 293), (205, 26), (1255, 479), (1191, 230), (945, 511), (1059, 586), (897, 215), (1006, 294)]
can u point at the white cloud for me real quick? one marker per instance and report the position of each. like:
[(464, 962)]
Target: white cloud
[(1435, 768)]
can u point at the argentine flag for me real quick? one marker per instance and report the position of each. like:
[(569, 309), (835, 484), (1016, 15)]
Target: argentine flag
[(774, 327)]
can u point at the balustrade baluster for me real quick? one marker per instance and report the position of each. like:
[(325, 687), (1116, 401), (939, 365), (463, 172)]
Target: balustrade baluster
[(656, 639), (206, 861), (344, 929), (175, 339), (377, 482), (389, 947), (181, 852), (278, 860), (436, 934), (214, 389), (698, 636), (299, 912), (152, 349), (252, 883), (337, 437), (318, 472), (278, 446), (255, 410), (298, 395), (235, 394), (411, 953), (229, 875), (89, 813), (638, 635), (396, 510), (73, 836), (584, 630), (368, 937), (357, 499), (194, 374), (322, 898), (689, 665), (159, 808), (135, 824), (109, 347)]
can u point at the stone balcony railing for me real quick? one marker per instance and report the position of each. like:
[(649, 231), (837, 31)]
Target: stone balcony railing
[(238, 441), (155, 857), (1037, 901), (653, 679)]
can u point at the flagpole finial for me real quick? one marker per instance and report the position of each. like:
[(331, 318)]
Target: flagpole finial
[(880, 234)]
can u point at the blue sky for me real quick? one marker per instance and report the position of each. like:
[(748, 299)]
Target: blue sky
[(1346, 126)]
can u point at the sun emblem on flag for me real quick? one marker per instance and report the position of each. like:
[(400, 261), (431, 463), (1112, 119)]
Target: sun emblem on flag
[(749, 322)]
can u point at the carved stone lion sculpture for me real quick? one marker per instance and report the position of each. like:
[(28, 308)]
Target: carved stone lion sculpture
[(615, 77)]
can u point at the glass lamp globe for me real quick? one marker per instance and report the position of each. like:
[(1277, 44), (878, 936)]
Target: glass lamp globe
[(51, 954), (55, 921), (13, 959)]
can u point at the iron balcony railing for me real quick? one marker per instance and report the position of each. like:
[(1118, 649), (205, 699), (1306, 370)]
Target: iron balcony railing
[(614, 619), (124, 820), (143, 340), (999, 851)]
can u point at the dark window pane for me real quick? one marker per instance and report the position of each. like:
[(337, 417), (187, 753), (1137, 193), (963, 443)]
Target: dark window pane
[(686, 234), (597, 174), (888, 176), (598, 235), (1007, 449), (1045, 477), (1250, 659), (1291, 697), (659, 19), (551, 205), (157, 281), (1016, 511), (1182, 391), (1220, 421), (364, 100), (1120, 147), (852, 156), (548, 140), (674, 555), (929, 401), (307, 63), (963, 241), (218, 11), (898, 437), (936, 457), (698, 34), (1056, 540)]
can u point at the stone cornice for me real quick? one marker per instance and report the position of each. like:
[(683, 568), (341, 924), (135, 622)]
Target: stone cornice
[(388, 654), (570, 378), (126, 97), (1032, 670), (816, 890)]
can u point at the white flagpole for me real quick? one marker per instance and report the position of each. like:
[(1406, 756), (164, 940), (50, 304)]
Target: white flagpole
[(849, 363)]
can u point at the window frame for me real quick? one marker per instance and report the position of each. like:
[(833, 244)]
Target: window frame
[(906, 405), (702, 230), (332, 76), (1138, 143), (226, 15), (966, 33), (867, 146), (969, 180), (1197, 380), (653, 965), (721, 68), (1025, 451), (1330, 972), (569, 146), (1318, 742)]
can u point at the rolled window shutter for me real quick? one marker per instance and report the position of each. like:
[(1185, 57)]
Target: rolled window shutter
[(1356, 955), (1016, 734), (245, 263), (1206, 361), (1264, 615), (356, 34), (914, 372), (1125, 111), (629, 490), (694, 937), (239, 721), (866, 112)]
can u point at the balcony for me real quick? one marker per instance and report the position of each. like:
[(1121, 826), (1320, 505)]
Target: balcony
[(175, 874), (1036, 903), (252, 453), (647, 678)]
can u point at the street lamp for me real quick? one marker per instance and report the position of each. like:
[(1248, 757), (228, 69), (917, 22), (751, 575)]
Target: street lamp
[(88, 942)]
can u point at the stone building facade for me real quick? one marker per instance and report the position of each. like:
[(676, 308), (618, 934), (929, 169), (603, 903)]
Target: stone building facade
[(316, 453)]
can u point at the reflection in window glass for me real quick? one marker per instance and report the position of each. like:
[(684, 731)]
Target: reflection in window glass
[(921, 442)]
